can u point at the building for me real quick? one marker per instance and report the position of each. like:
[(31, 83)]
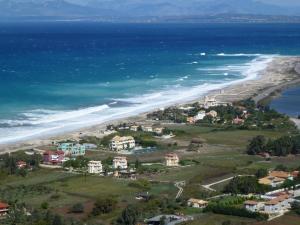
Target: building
[(72, 149), (147, 128), (4, 208), (212, 102), (271, 181), (120, 162), (159, 130), (95, 167), (197, 203), (172, 159), (278, 205), (194, 119), (53, 157), (212, 113), (89, 146), (21, 164), (238, 121), (253, 206), (277, 178), (122, 143), (134, 128), (167, 219)]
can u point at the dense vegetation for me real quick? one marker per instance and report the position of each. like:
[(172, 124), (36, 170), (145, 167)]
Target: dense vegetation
[(279, 147), (245, 185)]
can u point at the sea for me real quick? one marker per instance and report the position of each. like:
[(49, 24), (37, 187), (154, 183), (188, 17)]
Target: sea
[(62, 76)]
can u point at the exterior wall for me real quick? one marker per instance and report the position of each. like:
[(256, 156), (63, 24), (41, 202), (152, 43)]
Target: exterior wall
[(118, 145), (120, 163), (95, 167)]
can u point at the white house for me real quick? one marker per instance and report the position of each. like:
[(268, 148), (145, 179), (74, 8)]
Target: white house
[(253, 206), (121, 143), (278, 205), (147, 128), (197, 203), (95, 167), (172, 159), (134, 128), (120, 162)]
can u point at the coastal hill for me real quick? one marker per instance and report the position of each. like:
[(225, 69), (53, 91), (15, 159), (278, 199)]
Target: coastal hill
[(147, 11)]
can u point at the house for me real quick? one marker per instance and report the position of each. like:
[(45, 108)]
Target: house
[(122, 143), (277, 178), (277, 205), (21, 164), (147, 128), (89, 146), (197, 203), (53, 157), (194, 119), (4, 208), (283, 174), (210, 102), (143, 196), (120, 162), (172, 159), (166, 220), (253, 206), (95, 167), (238, 121), (212, 113), (72, 149), (271, 181), (134, 128), (158, 130)]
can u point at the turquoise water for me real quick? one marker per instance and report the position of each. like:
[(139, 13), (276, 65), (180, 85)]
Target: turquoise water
[(288, 102), (61, 76)]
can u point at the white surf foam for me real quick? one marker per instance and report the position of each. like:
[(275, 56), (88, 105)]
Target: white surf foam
[(239, 55), (60, 122)]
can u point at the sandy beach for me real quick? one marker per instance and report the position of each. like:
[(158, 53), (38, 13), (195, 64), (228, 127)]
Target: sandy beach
[(280, 74)]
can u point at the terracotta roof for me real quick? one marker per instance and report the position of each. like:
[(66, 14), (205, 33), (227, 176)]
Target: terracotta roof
[(249, 202), (280, 174), (3, 205), (277, 200), (171, 155), (198, 201)]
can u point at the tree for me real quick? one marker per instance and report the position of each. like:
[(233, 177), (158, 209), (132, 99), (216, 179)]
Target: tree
[(261, 173), (129, 216), (57, 220), (104, 205), (77, 208), (257, 145)]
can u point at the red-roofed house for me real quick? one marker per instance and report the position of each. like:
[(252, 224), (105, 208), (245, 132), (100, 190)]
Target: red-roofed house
[(21, 164), (3, 209), (53, 157)]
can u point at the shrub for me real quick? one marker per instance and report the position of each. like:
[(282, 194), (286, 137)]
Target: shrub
[(104, 205), (77, 208)]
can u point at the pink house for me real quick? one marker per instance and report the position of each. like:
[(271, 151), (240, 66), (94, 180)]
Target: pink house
[(238, 121), (53, 157)]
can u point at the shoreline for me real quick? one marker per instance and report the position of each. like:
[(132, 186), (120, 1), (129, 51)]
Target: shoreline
[(281, 73)]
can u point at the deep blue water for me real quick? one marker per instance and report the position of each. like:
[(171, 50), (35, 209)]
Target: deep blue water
[(288, 102), (64, 75)]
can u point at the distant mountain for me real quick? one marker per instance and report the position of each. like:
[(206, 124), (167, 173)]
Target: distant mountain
[(122, 9)]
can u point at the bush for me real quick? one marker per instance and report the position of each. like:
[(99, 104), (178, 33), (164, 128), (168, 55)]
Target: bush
[(234, 211), (77, 208), (104, 205), (142, 184)]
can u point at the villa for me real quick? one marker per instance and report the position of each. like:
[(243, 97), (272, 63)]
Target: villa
[(278, 205), (21, 164), (120, 162), (172, 159), (238, 121), (95, 167), (212, 113), (277, 178), (134, 128), (53, 157), (158, 130), (212, 102), (197, 203), (4, 208), (253, 206), (199, 116), (72, 149), (122, 143), (147, 128)]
